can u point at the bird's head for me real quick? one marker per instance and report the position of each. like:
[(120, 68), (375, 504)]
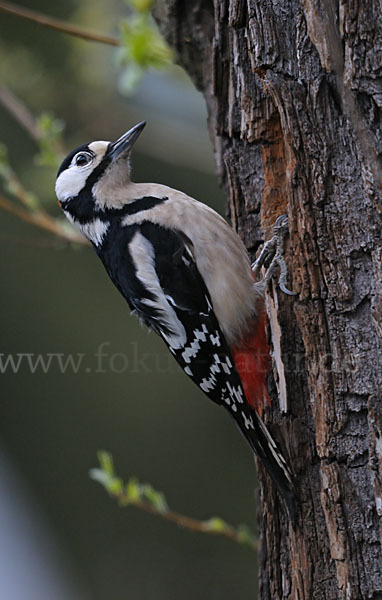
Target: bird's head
[(91, 173)]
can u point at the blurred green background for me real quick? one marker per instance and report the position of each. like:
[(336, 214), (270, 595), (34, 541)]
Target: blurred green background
[(61, 535)]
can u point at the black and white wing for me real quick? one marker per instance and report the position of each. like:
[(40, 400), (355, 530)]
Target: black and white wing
[(178, 307)]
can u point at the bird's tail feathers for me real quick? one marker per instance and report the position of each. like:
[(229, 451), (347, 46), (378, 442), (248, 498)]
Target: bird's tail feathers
[(265, 447)]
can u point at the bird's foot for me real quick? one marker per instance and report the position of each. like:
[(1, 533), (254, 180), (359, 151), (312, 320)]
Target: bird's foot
[(272, 256)]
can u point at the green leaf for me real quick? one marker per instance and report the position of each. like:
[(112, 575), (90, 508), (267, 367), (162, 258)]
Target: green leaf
[(133, 490), (105, 475), (143, 44), (50, 130), (143, 6), (115, 486), (245, 535), (49, 125), (216, 524), (155, 498), (106, 462)]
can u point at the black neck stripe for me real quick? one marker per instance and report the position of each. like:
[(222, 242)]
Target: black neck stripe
[(83, 208), (140, 205)]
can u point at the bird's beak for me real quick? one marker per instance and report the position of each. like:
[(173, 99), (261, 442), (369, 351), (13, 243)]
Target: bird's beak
[(124, 144)]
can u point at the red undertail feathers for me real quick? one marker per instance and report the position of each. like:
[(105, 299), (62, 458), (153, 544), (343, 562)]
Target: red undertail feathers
[(252, 362)]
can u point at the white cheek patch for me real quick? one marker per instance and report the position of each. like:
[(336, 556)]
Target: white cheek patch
[(71, 181)]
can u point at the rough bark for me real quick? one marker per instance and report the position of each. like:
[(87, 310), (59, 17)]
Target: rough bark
[(294, 96)]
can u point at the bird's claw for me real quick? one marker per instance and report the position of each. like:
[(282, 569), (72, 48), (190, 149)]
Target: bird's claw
[(272, 256)]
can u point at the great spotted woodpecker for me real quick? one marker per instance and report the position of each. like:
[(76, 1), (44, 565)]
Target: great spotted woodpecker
[(187, 275)]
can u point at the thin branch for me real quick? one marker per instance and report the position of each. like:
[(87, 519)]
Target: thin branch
[(187, 522), (24, 117), (43, 221), (19, 111), (30, 212), (19, 191), (32, 242), (58, 24), (145, 497)]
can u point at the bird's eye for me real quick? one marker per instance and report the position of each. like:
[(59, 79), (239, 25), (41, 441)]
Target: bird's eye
[(82, 159)]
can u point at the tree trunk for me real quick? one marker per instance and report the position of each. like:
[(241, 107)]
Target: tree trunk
[(293, 91)]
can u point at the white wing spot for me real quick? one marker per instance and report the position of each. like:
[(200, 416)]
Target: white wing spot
[(228, 399), (192, 350), (208, 384), (215, 367), (237, 394), (215, 340), (227, 366), (248, 422)]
